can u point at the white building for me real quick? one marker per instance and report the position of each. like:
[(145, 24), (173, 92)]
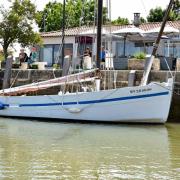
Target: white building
[(50, 52)]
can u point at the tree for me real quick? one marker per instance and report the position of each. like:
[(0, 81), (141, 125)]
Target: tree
[(78, 12), (157, 14), (51, 17), (16, 25), (176, 9), (120, 21), (142, 20)]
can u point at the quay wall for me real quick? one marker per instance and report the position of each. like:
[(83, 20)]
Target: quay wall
[(22, 77)]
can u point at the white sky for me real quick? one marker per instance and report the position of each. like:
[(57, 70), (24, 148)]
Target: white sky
[(122, 8)]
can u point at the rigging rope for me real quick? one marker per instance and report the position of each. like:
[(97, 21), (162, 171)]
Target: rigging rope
[(76, 109)]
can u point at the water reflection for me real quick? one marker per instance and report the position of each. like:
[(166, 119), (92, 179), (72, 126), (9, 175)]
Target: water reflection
[(174, 146), (36, 150)]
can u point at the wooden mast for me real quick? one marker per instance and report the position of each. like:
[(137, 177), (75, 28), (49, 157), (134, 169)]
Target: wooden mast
[(63, 30), (156, 44), (99, 29)]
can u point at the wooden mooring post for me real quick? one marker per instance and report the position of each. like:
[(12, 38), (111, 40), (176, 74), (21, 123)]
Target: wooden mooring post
[(7, 73)]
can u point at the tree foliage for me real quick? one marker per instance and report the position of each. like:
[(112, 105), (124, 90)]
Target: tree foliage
[(120, 21), (157, 14), (78, 12), (16, 25), (142, 20), (176, 9)]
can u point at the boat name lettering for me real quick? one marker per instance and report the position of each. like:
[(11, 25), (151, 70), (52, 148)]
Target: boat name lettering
[(140, 90)]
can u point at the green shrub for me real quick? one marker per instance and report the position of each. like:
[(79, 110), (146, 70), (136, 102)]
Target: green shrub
[(34, 66), (140, 55), (56, 66)]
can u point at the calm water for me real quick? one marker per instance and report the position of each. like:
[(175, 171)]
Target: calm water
[(38, 150)]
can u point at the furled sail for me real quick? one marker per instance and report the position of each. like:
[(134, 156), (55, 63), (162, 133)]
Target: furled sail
[(88, 75)]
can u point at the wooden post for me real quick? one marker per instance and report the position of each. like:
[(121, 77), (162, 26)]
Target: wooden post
[(131, 78), (155, 46), (66, 65), (7, 73)]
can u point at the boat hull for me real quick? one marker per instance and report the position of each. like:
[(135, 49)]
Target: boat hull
[(146, 104)]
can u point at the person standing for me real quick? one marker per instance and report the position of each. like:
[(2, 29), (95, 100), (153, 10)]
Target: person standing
[(87, 61), (23, 57), (33, 55), (87, 52), (103, 56)]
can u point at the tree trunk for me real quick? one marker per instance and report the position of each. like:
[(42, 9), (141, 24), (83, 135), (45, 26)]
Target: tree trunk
[(5, 51), (8, 67)]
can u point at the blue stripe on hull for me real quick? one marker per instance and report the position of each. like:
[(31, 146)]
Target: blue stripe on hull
[(95, 101)]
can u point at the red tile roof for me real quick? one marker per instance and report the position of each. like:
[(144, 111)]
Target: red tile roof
[(77, 30), (149, 26)]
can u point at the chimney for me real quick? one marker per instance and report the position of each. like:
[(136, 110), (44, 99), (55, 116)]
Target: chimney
[(137, 20)]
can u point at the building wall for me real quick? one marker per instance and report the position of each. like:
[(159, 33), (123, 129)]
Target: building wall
[(51, 48), (51, 52)]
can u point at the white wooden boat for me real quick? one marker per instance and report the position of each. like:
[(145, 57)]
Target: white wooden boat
[(147, 103)]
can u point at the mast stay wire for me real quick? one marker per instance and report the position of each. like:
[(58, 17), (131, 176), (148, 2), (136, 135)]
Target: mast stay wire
[(81, 22), (144, 8), (109, 45)]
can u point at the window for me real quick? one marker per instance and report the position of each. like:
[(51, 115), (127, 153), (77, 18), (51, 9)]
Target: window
[(47, 54), (57, 54), (52, 53)]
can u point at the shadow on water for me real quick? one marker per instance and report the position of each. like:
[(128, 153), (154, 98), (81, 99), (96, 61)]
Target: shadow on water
[(39, 150), (53, 120)]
